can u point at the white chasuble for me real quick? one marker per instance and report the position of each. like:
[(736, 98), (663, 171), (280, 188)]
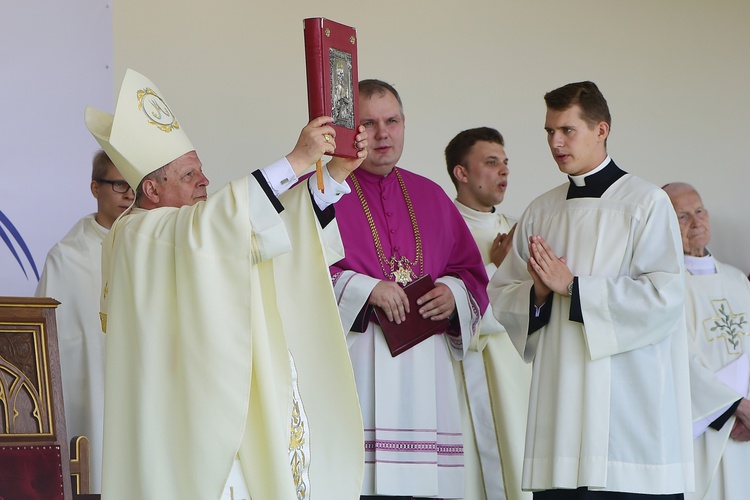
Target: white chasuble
[(203, 307), (72, 275), (494, 381), (609, 404), (718, 318)]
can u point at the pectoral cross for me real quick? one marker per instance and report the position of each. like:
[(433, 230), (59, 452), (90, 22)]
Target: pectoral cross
[(402, 276)]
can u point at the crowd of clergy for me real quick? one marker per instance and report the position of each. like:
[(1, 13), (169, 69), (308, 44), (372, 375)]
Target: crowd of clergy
[(232, 346)]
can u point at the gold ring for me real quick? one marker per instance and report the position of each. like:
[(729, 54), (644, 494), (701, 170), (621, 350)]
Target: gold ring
[(327, 137)]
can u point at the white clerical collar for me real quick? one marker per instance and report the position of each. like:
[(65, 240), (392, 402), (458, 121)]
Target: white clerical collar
[(469, 210), (580, 180), (98, 228), (476, 215), (700, 265)]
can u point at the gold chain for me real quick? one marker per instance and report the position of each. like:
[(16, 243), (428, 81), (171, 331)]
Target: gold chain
[(401, 269)]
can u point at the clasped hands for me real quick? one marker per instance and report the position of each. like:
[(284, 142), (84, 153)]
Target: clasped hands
[(549, 272), (501, 246), (741, 428), (437, 304)]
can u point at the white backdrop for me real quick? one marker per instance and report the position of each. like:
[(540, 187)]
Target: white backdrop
[(676, 74), (55, 58)]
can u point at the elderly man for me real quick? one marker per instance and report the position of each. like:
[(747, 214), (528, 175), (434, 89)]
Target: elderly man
[(496, 379), (400, 227), (718, 318), (592, 292), (73, 275), (219, 313)]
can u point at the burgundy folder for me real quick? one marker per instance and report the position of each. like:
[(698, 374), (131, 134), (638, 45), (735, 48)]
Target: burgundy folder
[(402, 337)]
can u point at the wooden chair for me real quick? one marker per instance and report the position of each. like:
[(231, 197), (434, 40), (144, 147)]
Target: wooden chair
[(34, 456), (79, 465)]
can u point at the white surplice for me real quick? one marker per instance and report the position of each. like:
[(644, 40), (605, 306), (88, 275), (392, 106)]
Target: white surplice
[(72, 275), (495, 382), (408, 400), (609, 405)]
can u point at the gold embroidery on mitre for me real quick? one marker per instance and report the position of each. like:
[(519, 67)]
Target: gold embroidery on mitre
[(156, 110), (727, 325), (103, 319), (106, 290)]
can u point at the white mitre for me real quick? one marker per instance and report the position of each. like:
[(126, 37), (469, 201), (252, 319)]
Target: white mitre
[(143, 135)]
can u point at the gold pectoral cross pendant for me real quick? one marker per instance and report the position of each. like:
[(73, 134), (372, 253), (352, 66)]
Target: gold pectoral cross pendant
[(403, 275)]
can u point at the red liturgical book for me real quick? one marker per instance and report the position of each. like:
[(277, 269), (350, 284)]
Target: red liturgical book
[(402, 337), (332, 79)]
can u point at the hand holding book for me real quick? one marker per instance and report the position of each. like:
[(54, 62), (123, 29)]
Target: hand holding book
[(332, 83), (414, 328)]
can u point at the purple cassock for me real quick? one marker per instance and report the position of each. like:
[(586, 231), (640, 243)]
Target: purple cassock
[(448, 246), (410, 403)]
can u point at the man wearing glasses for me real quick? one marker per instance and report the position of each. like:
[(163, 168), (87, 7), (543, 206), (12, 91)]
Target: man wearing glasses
[(72, 275)]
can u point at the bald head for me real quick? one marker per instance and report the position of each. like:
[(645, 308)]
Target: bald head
[(677, 188), (692, 216)]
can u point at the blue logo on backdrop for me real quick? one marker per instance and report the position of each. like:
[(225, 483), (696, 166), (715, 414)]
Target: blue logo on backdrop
[(6, 228)]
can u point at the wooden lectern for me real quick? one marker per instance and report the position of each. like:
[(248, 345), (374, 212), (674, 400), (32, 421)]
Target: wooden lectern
[(34, 457)]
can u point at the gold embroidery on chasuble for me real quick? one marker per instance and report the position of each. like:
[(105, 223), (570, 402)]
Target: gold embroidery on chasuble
[(298, 460), (102, 316), (299, 445), (726, 325), (231, 495)]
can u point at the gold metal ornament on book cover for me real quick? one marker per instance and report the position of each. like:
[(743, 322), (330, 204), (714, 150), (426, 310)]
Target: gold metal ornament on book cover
[(342, 88), (398, 268)]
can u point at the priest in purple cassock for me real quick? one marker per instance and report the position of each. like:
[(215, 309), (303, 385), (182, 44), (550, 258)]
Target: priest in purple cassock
[(397, 227)]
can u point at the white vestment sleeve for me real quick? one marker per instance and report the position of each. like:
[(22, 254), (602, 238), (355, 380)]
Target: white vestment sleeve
[(269, 234), (489, 325), (334, 246), (352, 293), (639, 306), (467, 319), (279, 175), (509, 291), (709, 393), (333, 190)]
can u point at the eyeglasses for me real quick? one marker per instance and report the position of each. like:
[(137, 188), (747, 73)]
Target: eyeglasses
[(117, 186)]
